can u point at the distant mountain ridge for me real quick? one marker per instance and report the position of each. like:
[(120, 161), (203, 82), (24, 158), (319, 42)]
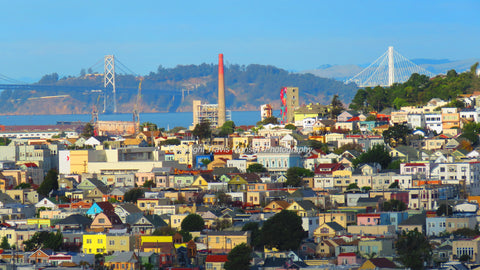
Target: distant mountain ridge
[(247, 87)]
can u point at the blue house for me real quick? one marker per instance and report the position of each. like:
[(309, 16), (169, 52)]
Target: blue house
[(393, 218), (436, 225)]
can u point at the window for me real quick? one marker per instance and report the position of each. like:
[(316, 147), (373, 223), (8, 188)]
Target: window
[(101, 220), (100, 241), (112, 242), (89, 241)]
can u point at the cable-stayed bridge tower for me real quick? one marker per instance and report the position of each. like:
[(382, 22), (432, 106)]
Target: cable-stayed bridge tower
[(109, 80), (388, 69)]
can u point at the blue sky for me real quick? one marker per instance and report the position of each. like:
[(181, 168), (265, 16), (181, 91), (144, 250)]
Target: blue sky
[(40, 36)]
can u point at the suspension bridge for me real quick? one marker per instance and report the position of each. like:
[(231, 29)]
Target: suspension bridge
[(391, 67), (107, 91)]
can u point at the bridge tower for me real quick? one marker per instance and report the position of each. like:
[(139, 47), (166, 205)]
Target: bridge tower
[(109, 80), (391, 67)]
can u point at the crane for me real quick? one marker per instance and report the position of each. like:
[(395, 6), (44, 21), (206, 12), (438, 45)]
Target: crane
[(136, 107)]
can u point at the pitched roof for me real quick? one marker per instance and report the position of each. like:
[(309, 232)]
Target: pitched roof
[(382, 263), (75, 219), (335, 226), (106, 206), (130, 208), (307, 205), (156, 221), (128, 256)]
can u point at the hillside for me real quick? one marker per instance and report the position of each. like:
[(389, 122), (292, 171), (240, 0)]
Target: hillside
[(247, 87)]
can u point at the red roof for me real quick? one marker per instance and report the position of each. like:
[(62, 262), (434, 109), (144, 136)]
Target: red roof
[(331, 166), (30, 165), (356, 118), (216, 258), (415, 164), (223, 152), (347, 254), (368, 215)]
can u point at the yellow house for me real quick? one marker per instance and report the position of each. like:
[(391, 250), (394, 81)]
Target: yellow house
[(41, 222), (237, 183), (327, 230), (377, 263), (10, 234), (157, 244), (202, 180), (342, 218), (147, 205), (239, 142), (302, 208), (209, 199), (79, 161), (120, 243), (176, 220), (276, 206), (225, 241), (319, 138), (95, 243)]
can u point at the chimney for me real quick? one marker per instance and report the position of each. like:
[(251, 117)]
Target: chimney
[(221, 92)]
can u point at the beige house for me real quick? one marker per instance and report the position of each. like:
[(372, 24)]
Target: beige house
[(371, 230), (120, 243)]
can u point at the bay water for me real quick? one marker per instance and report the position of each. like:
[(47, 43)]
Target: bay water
[(165, 120)]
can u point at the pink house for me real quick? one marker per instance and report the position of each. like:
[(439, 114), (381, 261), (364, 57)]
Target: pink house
[(368, 219), (142, 177), (349, 258)]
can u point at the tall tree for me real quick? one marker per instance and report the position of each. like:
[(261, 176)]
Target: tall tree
[(396, 135), (5, 245), (394, 206), (255, 235), (256, 167), (227, 128), (283, 231), (336, 107), (377, 154), (295, 176), (239, 258), (268, 120), (193, 223), (44, 239), (150, 126), (88, 130), (50, 182), (202, 130), (413, 249), (133, 195)]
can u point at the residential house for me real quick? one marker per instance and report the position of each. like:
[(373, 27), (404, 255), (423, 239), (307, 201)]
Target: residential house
[(328, 230), (378, 263), (215, 262), (123, 260), (225, 241), (104, 221)]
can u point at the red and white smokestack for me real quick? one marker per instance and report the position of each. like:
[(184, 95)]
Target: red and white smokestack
[(221, 92)]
